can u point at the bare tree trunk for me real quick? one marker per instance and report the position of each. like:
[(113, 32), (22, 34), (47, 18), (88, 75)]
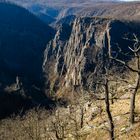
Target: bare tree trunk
[(82, 117), (132, 100), (110, 118)]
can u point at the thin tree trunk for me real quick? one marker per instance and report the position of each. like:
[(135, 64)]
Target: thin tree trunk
[(82, 117), (132, 101), (110, 118)]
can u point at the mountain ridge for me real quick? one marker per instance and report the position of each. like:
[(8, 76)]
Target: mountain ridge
[(64, 8), (23, 38)]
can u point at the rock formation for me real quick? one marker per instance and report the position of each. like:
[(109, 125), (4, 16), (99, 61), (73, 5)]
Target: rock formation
[(71, 58)]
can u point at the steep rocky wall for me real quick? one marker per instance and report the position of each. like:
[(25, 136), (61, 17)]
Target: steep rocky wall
[(72, 56)]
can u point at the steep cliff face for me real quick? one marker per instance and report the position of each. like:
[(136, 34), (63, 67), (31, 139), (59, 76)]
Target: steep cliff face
[(72, 56)]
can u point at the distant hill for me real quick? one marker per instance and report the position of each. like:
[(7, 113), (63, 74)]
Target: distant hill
[(55, 10)]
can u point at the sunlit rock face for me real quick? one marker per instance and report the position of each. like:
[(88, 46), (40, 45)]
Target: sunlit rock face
[(71, 58)]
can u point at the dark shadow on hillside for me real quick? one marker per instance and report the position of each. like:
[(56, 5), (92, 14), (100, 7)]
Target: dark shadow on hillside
[(18, 103)]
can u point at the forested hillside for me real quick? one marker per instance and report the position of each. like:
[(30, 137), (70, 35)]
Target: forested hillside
[(23, 38)]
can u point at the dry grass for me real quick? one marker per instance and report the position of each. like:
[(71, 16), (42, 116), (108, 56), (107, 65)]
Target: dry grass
[(120, 112), (40, 124)]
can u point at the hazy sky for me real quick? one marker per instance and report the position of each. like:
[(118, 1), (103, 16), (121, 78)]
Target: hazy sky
[(130, 0)]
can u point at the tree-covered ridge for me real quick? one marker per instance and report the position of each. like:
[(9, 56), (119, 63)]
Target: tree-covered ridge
[(23, 38)]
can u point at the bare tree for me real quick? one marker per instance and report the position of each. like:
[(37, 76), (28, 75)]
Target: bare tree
[(110, 118), (135, 50), (102, 81)]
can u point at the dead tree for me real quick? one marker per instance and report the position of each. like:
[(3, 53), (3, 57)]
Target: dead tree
[(82, 117), (110, 118), (135, 50), (104, 78)]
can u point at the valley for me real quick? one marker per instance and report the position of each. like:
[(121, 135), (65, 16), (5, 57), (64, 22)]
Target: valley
[(69, 70)]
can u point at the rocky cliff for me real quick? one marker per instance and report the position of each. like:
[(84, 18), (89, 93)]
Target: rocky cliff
[(71, 58)]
